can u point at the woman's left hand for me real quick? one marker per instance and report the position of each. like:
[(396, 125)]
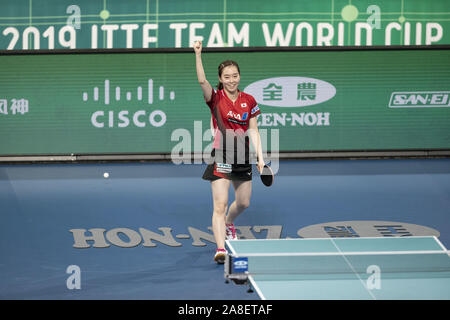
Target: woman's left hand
[(260, 165)]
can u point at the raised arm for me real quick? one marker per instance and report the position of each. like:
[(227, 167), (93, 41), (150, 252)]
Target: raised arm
[(204, 84)]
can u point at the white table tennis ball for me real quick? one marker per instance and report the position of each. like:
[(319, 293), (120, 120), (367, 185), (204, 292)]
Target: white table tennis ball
[(106, 175)]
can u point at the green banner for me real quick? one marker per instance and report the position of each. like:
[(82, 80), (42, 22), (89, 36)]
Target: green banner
[(150, 102), (96, 24)]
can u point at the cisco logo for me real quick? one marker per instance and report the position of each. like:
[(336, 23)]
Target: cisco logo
[(291, 91), (114, 118)]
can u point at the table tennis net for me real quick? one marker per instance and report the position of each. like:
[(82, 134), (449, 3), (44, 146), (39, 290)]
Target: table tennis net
[(345, 265)]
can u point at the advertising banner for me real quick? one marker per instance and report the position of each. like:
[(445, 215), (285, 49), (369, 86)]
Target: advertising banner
[(150, 102), (87, 24)]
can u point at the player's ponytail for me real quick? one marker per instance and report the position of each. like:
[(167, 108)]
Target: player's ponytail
[(222, 66)]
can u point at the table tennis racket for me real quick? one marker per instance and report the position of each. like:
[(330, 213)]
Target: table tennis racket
[(267, 176)]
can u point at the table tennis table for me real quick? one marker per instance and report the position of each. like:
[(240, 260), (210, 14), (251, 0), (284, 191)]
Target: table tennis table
[(341, 268)]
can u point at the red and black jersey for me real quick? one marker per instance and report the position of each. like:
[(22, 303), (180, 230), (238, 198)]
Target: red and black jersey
[(232, 118)]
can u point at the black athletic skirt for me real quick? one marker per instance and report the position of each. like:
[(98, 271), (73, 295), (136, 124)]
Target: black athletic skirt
[(241, 172), (218, 170)]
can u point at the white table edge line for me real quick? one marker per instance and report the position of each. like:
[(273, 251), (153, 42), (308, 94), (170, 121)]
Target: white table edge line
[(338, 238), (342, 253), (256, 287)]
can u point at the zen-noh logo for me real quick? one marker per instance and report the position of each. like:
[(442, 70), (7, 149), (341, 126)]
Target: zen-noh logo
[(291, 91)]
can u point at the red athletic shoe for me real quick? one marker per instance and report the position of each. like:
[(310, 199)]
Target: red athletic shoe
[(220, 256), (231, 232)]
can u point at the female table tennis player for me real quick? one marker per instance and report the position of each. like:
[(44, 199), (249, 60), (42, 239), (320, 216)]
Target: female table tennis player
[(234, 120)]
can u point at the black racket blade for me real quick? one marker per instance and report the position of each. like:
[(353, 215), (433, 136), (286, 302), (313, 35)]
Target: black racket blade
[(267, 176)]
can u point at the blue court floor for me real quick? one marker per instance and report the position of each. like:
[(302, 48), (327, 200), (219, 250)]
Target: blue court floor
[(144, 232)]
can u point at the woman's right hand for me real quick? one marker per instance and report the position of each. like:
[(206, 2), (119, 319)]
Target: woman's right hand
[(198, 47)]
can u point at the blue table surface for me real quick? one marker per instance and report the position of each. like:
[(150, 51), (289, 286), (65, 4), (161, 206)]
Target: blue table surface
[(335, 245), (408, 268)]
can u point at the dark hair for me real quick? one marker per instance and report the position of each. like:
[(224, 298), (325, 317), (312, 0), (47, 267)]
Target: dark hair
[(222, 66)]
